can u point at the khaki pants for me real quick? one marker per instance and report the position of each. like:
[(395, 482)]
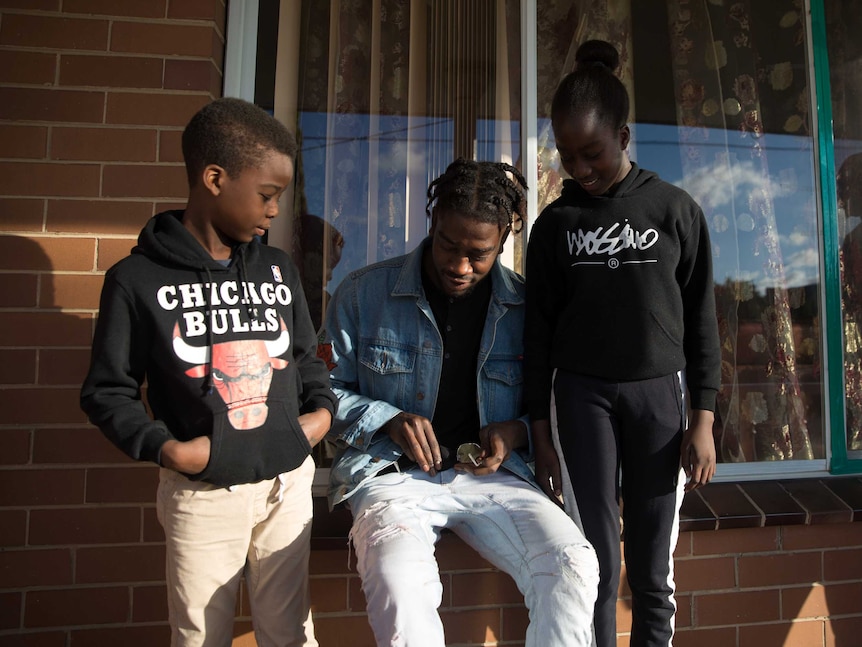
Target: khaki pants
[(215, 535)]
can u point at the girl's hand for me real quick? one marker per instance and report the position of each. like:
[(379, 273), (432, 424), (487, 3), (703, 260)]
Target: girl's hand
[(548, 474), (697, 454), (189, 457), (315, 424)]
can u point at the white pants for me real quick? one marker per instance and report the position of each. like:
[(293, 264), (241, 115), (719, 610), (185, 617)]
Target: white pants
[(398, 519), (215, 535)]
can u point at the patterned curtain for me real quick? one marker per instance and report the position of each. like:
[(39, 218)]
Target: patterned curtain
[(732, 88)]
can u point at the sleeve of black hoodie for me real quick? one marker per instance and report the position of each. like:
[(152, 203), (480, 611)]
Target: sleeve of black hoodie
[(111, 393), (545, 299), (701, 343)]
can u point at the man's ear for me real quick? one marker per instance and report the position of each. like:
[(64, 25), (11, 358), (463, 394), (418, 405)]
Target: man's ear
[(625, 137), (213, 177)]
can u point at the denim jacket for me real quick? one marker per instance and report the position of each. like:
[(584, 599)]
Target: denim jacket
[(389, 353)]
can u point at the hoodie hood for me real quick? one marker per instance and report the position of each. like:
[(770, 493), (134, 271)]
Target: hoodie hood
[(636, 179)]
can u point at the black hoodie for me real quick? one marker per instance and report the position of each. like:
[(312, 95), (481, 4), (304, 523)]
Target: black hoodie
[(620, 287), (243, 380)]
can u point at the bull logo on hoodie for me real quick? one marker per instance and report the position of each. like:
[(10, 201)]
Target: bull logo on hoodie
[(241, 372)]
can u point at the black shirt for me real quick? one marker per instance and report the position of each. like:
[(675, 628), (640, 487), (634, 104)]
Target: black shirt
[(460, 321)]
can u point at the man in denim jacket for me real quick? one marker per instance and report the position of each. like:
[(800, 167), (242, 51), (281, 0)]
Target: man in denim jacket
[(428, 352)]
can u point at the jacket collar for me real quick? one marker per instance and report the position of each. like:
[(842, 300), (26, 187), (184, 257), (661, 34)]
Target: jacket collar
[(409, 282)]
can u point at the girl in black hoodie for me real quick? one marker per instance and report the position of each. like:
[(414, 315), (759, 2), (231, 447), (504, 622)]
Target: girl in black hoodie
[(620, 304)]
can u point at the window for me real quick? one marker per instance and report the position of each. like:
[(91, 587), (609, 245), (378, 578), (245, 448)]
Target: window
[(725, 103)]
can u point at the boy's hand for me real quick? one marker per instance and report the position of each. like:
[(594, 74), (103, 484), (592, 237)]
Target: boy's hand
[(415, 436), (189, 457), (315, 424), (698, 449), (497, 440)]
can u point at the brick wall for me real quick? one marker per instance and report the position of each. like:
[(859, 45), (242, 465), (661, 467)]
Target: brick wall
[(93, 97)]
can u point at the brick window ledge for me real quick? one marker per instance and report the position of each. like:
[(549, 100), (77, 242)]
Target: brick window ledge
[(718, 506)]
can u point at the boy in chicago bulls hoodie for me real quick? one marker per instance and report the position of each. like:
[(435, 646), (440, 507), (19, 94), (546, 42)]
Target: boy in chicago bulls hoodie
[(218, 326)]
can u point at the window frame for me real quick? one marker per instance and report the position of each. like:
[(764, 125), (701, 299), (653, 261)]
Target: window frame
[(239, 81)]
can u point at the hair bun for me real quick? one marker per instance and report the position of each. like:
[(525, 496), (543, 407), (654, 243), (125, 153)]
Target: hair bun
[(598, 53)]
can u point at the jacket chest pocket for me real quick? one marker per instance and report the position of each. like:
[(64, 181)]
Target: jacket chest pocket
[(502, 387), (387, 372)]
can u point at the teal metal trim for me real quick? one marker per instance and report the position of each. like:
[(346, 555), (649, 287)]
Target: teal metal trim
[(840, 464)]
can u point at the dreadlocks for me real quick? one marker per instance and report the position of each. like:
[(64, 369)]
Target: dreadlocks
[(481, 190)]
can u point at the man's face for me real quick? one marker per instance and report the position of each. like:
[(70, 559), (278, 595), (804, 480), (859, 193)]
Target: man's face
[(248, 203), (463, 251)]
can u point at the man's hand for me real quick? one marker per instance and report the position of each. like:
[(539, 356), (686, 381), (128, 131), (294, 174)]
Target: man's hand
[(497, 440), (548, 474), (415, 436), (697, 454), (189, 457), (315, 424)]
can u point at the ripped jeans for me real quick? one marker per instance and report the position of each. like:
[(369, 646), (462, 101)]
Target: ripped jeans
[(398, 518)]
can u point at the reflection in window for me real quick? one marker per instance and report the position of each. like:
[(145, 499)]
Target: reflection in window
[(843, 21), (720, 107)]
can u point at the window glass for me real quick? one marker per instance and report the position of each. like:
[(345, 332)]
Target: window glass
[(720, 106), (843, 20)]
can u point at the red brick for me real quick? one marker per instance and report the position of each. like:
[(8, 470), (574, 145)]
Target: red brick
[(355, 597), (328, 594), (10, 610), (153, 531), (41, 406), (75, 446), (132, 181), (113, 564), (344, 631), (162, 38), (170, 146), (624, 615), (128, 8), (836, 535), (47, 179), (41, 567), (31, 5), (843, 632), (19, 253), (472, 626), (149, 603), (125, 484), (843, 564), (103, 216), (734, 608), (765, 571), (79, 525), (30, 487), (17, 366), (735, 542), (25, 142), (480, 589), (193, 75), (16, 448), (454, 555), (38, 104), (198, 10), (111, 71), (104, 144), (683, 545), (789, 633), (13, 527), (683, 610), (152, 109), (19, 291), (57, 608), (330, 562), (53, 32), (723, 637), (816, 600), (45, 329), (72, 291), (128, 636), (36, 639), (112, 250), (22, 214), (705, 574), (63, 366), (515, 622), (27, 67)]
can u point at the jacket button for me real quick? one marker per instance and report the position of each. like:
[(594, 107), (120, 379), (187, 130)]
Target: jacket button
[(420, 396)]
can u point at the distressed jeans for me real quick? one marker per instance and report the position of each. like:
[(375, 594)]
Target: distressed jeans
[(398, 519)]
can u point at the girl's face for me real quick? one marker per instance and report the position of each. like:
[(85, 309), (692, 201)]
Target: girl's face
[(591, 151)]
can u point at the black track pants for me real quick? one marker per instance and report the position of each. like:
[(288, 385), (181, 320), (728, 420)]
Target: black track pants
[(633, 429)]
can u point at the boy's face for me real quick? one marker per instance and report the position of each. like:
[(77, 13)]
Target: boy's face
[(246, 204)]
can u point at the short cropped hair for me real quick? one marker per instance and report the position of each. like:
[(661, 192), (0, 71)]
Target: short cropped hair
[(234, 134)]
